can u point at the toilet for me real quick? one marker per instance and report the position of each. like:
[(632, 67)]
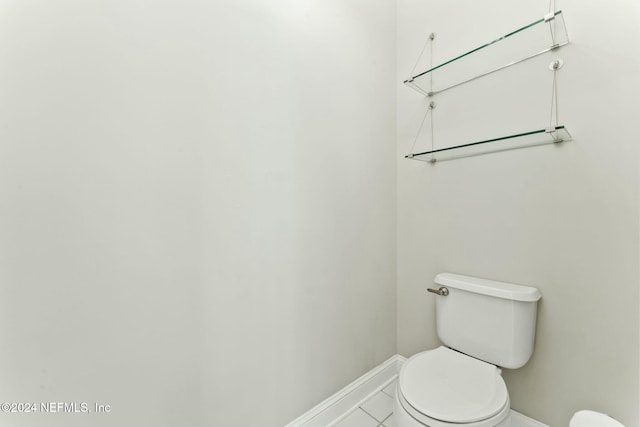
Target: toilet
[(485, 326)]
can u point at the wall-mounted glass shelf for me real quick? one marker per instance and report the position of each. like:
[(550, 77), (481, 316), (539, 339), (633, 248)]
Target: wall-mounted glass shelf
[(521, 140), (538, 37)]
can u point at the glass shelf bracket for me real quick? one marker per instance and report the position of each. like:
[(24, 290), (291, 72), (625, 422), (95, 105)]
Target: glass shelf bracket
[(496, 55), (555, 134)]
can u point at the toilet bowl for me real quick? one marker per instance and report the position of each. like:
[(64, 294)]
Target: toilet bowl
[(484, 325), (442, 387), (592, 419)]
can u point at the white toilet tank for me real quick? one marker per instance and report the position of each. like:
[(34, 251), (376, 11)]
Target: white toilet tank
[(489, 320)]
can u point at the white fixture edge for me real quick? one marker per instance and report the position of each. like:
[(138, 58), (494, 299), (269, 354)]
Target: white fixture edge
[(349, 398), (336, 407), (521, 420)]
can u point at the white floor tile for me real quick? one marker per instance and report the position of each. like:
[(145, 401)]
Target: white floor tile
[(390, 422), (391, 389), (379, 406), (358, 418)]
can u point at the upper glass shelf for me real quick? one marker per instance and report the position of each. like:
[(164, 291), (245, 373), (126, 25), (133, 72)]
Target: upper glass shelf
[(532, 138), (536, 38)]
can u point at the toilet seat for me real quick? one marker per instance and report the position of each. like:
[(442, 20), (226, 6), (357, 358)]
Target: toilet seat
[(448, 386)]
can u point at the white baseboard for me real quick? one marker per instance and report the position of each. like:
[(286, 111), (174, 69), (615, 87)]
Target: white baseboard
[(335, 408), (521, 420), (347, 399)]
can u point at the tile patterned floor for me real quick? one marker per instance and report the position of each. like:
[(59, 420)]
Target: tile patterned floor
[(377, 411)]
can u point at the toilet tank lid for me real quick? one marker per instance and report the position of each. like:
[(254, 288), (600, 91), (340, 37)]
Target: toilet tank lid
[(489, 287)]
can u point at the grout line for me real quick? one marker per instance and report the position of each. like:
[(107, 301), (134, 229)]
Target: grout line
[(346, 394), (377, 420), (387, 394), (382, 422), (389, 381), (337, 421)]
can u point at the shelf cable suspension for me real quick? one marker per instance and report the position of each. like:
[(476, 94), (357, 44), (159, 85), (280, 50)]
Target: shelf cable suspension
[(557, 132), (556, 28), (554, 121), (550, 18), (432, 104)]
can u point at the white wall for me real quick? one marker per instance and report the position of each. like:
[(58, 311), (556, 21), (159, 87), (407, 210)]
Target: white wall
[(197, 206), (561, 218)]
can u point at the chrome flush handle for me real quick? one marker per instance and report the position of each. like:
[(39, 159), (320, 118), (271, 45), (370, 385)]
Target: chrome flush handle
[(442, 291)]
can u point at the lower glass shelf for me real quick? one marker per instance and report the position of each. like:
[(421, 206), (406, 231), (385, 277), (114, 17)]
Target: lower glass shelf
[(504, 143)]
